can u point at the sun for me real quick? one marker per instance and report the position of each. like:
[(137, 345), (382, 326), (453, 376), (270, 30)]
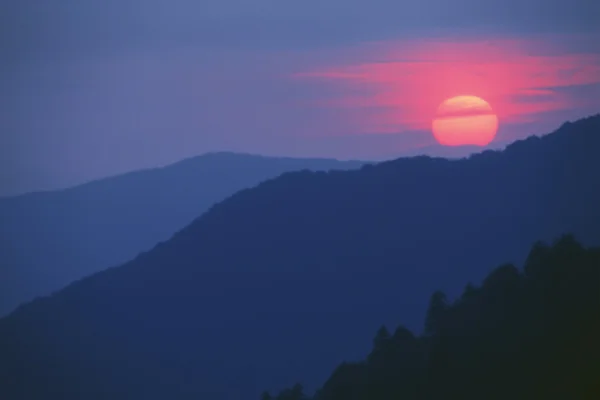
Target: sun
[(465, 120)]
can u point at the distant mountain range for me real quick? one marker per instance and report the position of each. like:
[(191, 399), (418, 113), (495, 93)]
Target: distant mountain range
[(49, 239), (291, 277)]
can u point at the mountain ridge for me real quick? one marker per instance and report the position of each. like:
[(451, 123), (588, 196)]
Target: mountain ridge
[(188, 160), (288, 278), (106, 222)]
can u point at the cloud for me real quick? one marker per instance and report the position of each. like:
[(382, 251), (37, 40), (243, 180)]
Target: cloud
[(116, 85), (520, 78)]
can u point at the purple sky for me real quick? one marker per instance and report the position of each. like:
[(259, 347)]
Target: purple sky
[(96, 88)]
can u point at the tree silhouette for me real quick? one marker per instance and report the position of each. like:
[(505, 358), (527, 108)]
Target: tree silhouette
[(437, 308), (381, 338), (266, 396), (530, 335), (295, 393)]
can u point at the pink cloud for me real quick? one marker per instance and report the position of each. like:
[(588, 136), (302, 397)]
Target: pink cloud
[(407, 80)]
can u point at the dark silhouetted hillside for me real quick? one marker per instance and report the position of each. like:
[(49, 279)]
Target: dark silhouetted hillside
[(49, 239), (530, 334), (282, 281)]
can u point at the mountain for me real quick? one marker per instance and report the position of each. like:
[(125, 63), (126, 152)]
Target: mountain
[(49, 239), (450, 152), (530, 334), (286, 279)]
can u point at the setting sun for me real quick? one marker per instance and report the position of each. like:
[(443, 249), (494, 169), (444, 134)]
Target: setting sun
[(465, 120)]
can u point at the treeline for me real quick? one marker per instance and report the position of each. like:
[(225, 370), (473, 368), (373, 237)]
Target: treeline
[(523, 334)]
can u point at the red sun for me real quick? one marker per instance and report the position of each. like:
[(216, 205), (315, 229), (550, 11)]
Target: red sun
[(465, 120)]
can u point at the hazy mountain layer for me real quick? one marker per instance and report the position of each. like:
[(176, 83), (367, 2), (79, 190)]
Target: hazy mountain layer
[(49, 239), (287, 279)]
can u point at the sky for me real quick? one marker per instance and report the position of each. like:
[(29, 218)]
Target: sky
[(100, 87)]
